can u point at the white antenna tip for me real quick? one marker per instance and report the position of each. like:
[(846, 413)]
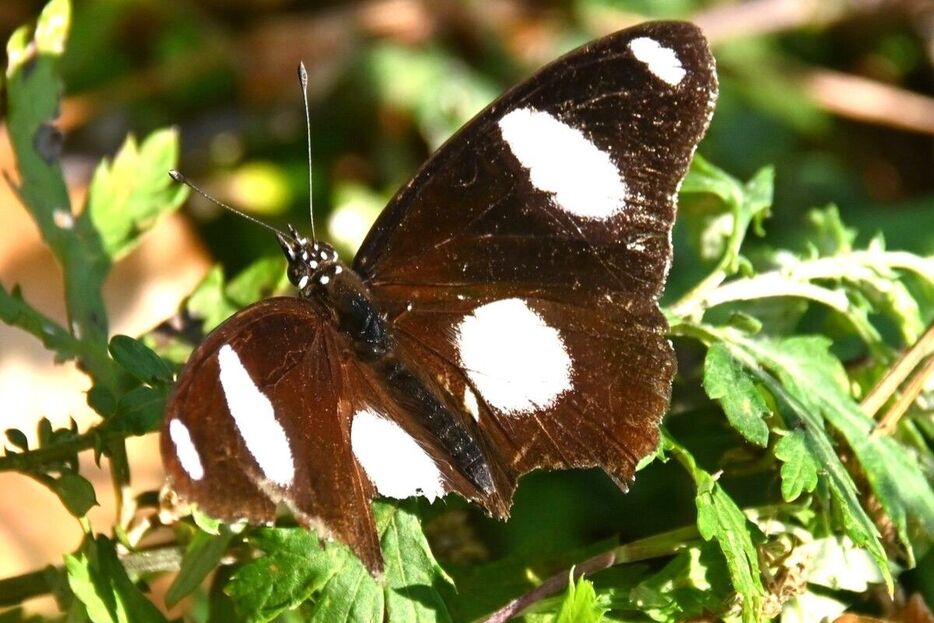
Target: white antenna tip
[(175, 175), (302, 74)]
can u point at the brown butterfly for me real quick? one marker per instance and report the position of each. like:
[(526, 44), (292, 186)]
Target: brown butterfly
[(500, 317)]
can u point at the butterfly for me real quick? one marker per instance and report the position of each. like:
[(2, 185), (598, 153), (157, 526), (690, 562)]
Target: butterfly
[(501, 316)]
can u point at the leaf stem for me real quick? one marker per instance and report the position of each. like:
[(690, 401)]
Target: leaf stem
[(17, 589), (32, 460)]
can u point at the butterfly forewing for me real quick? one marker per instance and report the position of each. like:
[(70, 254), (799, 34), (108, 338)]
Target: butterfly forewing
[(569, 178)]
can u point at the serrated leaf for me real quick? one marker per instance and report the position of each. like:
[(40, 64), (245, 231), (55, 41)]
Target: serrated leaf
[(817, 379), (202, 556), (351, 593), (76, 493), (137, 359), (127, 195), (580, 604), (704, 177), (719, 519), (726, 382), (100, 582), (259, 280), (799, 417), (208, 302), (296, 568), (799, 468), (411, 570)]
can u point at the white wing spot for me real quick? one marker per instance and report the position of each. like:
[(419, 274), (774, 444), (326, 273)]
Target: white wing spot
[(582, 178), (394, 462), (517, 362), (255, 419), (470, 403), (661, 61), (185, 449)]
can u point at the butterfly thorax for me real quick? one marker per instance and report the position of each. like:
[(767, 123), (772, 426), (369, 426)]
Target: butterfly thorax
[(341, 295), (322, 278)]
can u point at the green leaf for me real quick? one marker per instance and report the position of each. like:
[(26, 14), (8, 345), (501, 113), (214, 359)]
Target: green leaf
[(296, 568), (205, 522), (76, 493), (800, 467), (726, 382), (129, 194), (203, 555), (16, 312), (52, 27), (351, 594), (411, 570), (799, 417), (261, 279), (704, 177), (139, 411), (137, 359), (17, 438), (816, 378), (694, 584), (719, 519), (102, 401), (580, 603), (209, 302), (100, 582), (406, 79)]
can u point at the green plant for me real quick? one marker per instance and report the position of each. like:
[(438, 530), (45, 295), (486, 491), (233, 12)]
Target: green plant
[(840, 503)]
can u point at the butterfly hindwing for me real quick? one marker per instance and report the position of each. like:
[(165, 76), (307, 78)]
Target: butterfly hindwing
[(262, 417), (274, 410)]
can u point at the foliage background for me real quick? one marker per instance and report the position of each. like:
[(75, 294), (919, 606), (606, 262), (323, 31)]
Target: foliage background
[(391, 79)]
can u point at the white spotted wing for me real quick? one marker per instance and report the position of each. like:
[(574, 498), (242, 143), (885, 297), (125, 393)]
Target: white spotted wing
[(523, 263)]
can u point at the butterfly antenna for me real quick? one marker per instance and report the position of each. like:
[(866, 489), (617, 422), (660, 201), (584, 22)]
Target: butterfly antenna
[(181, 179), (303, 80)]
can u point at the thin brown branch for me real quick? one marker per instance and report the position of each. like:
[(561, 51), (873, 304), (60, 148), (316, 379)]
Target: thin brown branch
[(869, 101), (759, 17), (909, 394), (665, 544), (897, 374)]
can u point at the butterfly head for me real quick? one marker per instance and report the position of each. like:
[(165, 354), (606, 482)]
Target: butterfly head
[(311, 262)]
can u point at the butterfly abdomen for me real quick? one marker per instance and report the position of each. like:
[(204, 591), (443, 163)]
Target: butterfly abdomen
[(344, 298)]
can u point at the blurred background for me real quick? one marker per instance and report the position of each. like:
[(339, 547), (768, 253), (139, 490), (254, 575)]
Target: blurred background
[(838, 95)]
